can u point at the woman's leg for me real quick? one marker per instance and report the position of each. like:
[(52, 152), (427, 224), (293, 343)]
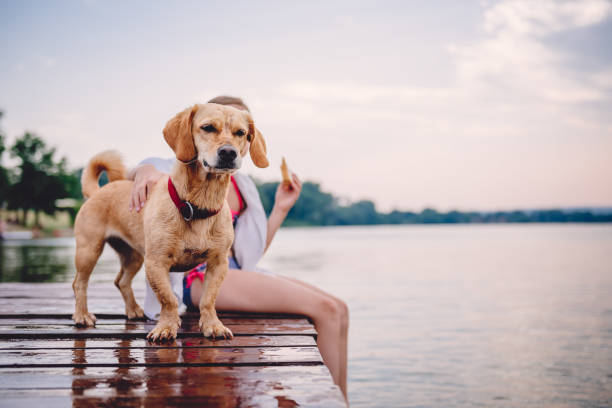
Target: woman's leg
[(344, 326), (256, 292)]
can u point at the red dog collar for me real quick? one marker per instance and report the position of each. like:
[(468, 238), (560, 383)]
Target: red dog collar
[(188, 210)]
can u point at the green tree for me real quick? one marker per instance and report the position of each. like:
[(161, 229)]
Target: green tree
[(39, 179), (4, 179), (359, 213), (72, 181), (314, 206), (430, 216)]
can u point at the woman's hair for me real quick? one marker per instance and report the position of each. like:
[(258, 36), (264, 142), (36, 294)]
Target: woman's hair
[(229, 100)]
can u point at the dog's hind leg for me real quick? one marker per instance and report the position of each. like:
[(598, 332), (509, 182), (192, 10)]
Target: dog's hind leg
[(87, 253), (131, 261)]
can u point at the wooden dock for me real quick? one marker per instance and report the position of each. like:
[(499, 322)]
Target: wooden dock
[(45, 361)]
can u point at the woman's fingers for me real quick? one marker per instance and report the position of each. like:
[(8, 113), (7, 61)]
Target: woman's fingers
[(296, 182), (139, 196), (291, 185), (142, 197), (134, 198)]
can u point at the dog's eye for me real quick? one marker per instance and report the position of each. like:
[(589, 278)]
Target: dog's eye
[(209, 128), (240, 132)]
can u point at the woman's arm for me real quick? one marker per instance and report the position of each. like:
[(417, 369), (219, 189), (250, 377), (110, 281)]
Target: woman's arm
[(286, 196), (145, 176)]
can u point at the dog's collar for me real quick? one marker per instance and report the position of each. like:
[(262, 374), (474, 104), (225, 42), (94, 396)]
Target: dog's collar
[(188, 210)]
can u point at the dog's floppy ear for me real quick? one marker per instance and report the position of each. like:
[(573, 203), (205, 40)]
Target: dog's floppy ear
[(178, 134), (258, 146)]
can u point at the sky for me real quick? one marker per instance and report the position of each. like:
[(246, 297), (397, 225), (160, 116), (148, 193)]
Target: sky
[(469, 105)]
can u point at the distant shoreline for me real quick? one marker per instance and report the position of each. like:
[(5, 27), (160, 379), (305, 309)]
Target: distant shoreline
[(291, 223), (320, 208), (30, 233)]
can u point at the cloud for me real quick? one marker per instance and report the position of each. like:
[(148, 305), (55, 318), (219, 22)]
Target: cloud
[(510, 65), (62, 127), (358, 93), (543, 17), (513, 56), (48, 62), (603, 79)]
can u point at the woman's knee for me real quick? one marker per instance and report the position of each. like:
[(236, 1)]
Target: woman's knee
[(342, 311), (330, 308)]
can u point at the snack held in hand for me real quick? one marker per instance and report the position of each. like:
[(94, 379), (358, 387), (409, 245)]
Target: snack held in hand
[(285, 172)]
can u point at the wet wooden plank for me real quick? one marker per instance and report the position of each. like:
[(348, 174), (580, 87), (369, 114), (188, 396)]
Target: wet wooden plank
[(161, 357), (50, 399), (187, 325), (187, 342), (141, 330), (283, 386), (124, 322), (110, 316)]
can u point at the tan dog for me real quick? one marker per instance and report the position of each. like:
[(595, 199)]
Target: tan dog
[(209, 142)]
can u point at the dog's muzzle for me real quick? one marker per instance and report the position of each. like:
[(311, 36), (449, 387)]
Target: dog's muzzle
[(226, 157)]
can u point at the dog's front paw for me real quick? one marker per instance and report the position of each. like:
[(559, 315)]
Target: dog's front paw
[(215, 329), (84, 319), (134, 314), (163, 331)]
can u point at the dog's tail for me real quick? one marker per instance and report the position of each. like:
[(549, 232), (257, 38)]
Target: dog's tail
[(109, 161)]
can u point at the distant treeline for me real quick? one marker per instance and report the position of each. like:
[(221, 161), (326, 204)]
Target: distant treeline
[(316, 207), (39, 179)]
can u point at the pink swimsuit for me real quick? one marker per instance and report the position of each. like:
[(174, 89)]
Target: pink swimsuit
[(235, 214)]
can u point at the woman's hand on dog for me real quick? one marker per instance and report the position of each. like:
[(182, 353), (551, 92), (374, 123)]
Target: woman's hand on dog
[(145, 178), (288, 194)]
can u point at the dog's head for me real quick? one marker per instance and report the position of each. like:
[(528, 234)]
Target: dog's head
[(217, 136)]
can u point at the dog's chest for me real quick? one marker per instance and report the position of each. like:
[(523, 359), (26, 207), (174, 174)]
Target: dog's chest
[(188, 259), (194, 250)]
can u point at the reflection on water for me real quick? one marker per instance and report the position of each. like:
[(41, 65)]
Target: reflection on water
[(51, 260), (45, 260)]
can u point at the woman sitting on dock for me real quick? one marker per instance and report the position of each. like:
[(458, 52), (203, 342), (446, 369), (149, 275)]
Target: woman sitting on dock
[(247, 288)]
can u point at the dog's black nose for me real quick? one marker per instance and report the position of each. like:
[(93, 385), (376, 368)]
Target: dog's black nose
[(227, 155)]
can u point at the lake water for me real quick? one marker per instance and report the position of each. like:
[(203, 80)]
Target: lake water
[(441, 316)]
